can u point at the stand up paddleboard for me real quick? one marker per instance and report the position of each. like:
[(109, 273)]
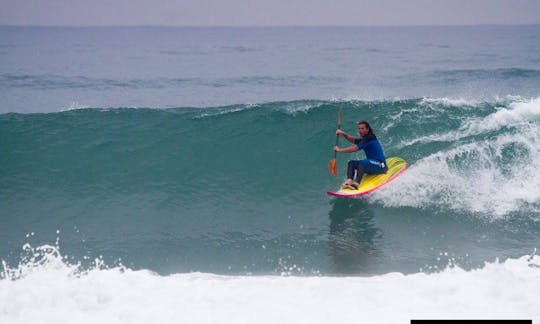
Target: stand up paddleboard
[(372, 182)]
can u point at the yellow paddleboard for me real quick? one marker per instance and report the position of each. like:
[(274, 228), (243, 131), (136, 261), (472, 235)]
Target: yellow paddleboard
[(372, 182)]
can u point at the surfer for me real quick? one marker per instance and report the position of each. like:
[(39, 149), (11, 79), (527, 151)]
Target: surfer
[(375, 161)]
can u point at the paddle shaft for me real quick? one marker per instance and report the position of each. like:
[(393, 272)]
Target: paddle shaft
[(339, 127), (332, 167)]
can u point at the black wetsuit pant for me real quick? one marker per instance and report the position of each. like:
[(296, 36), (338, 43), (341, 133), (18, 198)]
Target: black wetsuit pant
[(359, 167)]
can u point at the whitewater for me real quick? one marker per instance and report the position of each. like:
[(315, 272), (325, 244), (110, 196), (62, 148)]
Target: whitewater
[(48, 289), (482, 185)]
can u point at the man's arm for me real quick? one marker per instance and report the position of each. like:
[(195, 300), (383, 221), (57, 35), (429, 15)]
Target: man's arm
[(347, 136), (350, 149)]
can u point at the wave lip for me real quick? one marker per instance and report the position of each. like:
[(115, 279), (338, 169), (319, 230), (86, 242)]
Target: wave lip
[(517, 113)]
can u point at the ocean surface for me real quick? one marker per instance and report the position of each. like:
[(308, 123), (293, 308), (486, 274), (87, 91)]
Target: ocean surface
[(180, 174)]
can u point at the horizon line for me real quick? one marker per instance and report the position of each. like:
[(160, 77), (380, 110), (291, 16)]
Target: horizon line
[(265, 26)]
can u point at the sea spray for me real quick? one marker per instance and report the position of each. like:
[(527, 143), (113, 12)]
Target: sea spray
[(485, 165), (49, 288)]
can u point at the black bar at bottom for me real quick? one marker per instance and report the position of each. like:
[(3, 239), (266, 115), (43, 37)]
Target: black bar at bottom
[(480, 321)]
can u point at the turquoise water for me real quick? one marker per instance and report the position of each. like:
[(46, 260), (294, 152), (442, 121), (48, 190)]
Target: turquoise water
[(241, 189)]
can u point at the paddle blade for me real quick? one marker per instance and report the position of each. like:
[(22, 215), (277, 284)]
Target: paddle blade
[(332, 167)]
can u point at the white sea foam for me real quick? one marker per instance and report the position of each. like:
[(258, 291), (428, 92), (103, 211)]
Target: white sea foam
[(469, 102), (496, 175), (291, 108), (295, 107), (516, 114), (226, 111), (55, 292), (74, 105), (468, 178), (484, 188), (449, 102)]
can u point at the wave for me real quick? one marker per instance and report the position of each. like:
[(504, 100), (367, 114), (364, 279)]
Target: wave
[(240, 189), (46, 284), (515, 114), (486, 164), (464, 155)]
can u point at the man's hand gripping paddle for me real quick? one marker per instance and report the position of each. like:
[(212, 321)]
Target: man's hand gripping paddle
[(332, 165)]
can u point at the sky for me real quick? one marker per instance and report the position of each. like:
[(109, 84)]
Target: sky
[(267, 12)]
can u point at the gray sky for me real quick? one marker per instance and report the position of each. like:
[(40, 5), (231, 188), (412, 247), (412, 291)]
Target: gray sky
[(267, 12)]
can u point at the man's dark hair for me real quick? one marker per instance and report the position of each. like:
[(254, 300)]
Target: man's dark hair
[(365, 123)]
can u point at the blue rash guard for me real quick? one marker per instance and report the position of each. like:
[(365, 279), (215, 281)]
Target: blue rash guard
[(375, 162), (372, 148)]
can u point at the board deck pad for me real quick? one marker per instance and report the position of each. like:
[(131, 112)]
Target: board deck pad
[(372, 182)]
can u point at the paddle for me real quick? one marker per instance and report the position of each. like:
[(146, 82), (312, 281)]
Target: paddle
[(332, 165)]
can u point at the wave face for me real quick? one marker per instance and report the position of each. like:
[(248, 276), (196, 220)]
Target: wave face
[(241, 189)]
